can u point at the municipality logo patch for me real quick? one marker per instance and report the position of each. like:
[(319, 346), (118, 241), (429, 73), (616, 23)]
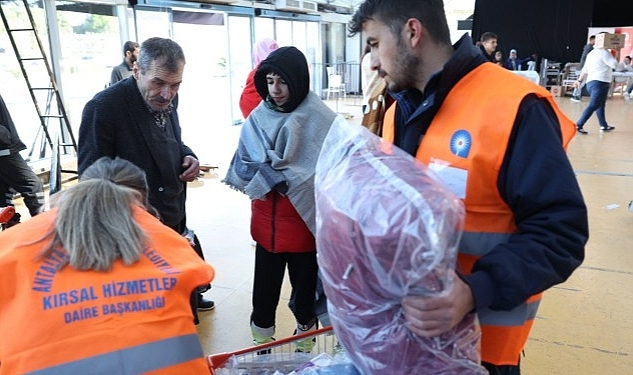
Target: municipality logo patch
[(460, 143)]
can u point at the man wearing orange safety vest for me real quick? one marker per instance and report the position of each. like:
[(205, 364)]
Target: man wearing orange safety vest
[(498, 142)]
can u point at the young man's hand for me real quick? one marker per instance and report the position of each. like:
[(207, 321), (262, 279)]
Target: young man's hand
[(432, 316)]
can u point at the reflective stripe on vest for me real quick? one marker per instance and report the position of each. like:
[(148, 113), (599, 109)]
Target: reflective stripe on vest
[(486, 116), (135, 360)]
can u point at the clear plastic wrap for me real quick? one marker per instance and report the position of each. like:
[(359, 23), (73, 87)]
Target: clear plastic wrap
[(386, 229)]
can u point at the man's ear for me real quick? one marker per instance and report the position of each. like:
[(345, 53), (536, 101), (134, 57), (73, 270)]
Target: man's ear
[(414, 32)]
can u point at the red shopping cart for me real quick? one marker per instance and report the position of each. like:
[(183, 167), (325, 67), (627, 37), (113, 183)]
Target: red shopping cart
[(280, 355), (6, 214)]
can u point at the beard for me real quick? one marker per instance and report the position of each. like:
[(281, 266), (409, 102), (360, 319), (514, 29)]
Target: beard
[(407, 66)]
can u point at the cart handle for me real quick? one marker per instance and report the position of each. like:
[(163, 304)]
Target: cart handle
[(216, 361)]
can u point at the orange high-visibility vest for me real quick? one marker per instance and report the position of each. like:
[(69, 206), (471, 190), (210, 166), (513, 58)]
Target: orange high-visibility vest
[(133, 319), (482, 120)]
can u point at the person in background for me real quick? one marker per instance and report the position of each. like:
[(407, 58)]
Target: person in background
[(250, 97), (624, 66), (514, 63), (104, 286), (15, 173), (597, 73), (499, 58), (124, 70), (375, 95), (488, 45), (274, 165), (137, 120), (629, 88), (577, 93), (525, 228)]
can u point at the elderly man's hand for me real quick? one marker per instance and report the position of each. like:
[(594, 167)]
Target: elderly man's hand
[(192, 169), (432, 316)]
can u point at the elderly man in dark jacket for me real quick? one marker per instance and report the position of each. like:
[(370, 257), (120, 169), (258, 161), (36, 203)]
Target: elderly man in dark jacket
[(136, 120), (15, 174)]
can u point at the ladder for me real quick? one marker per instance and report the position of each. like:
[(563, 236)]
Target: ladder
[(44, 93)]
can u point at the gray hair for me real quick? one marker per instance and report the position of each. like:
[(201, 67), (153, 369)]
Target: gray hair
[(167, 51), (95, 222)]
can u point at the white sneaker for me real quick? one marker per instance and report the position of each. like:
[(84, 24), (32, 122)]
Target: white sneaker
[(627, 96)]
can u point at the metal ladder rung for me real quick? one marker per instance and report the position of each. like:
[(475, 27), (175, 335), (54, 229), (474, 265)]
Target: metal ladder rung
[(12, 30), (53, 95)]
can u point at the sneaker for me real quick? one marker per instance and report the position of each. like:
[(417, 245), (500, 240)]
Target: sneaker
[(581, 130), (606, 128), (575, 99), (627, 96), (262, 335), (205, 304), (306, 345)]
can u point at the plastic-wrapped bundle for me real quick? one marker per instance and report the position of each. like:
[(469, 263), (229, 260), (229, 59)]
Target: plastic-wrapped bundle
[(386, 230)]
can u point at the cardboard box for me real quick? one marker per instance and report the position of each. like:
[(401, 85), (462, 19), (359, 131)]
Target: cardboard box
[(556, 90), (612, 41)]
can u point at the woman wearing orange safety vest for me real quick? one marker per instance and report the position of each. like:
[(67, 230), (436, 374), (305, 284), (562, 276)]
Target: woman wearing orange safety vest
[(498, 141), (98, 285)]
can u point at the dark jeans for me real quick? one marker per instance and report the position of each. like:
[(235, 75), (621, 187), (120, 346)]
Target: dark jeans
[(16, 175), (598, 92), (269, 274)]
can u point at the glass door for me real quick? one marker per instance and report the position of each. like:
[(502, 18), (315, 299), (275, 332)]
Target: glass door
[(240, 61), (152, 21), (204, 99)]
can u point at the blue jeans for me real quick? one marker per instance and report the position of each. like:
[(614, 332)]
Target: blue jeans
[(598, 92)]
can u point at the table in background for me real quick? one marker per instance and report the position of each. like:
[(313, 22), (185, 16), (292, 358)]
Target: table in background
[(532, 75)]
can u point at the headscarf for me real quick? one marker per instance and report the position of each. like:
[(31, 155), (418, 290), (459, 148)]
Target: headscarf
[(262, 49), (292, 66)]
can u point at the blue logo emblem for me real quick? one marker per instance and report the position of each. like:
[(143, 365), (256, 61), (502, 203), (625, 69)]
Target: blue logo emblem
[(460, 143)]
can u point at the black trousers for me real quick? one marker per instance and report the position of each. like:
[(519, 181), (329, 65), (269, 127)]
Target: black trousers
[(502, 370), (16, 175), (270, 269), (193, 299)]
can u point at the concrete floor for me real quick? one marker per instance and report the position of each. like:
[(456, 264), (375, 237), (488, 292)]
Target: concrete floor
[(584, 326)]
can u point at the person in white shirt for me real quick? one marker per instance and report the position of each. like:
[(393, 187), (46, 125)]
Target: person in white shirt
[(598, 71)]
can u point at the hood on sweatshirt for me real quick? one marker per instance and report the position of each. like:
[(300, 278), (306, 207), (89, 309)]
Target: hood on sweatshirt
[(291, 65)]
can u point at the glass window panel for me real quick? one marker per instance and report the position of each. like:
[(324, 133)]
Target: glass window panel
[(240, 60), (283, 32), (264, 28), (299, 36)]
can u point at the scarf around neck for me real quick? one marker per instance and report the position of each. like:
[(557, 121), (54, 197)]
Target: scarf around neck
[(277, 147)]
